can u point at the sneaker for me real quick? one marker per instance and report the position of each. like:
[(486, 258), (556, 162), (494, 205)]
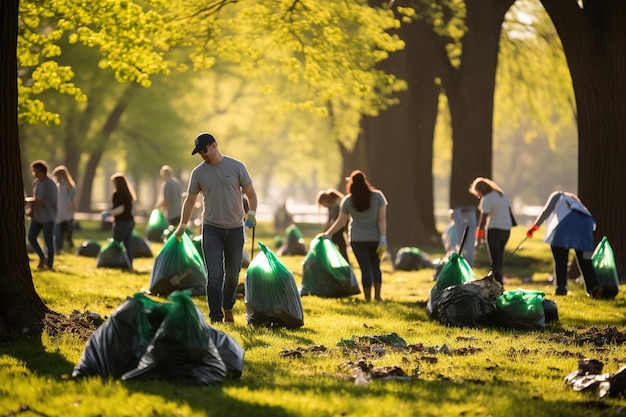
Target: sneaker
[(228, 316), (560, 291)]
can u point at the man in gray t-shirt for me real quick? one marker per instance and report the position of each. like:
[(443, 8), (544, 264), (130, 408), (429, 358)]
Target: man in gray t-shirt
[(43, 213), (221, 180), (171, 199)]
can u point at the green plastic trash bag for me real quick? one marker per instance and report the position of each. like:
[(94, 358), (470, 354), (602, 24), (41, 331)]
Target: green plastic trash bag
[(521, 309), (455, 271), (157, 223), (182, 349), (271, 294), (178, 266), (90, 248), (141, 247), (113, 255), (411, 259), (326, 273), (119, 343), (295, 242), (603, 261)]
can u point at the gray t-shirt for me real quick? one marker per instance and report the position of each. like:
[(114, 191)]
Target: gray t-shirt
[(364, 224), (221, 187), (170, 189), (46, 190)]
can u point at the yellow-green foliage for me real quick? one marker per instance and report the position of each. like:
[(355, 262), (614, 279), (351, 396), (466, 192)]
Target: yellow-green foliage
[(485, 372)]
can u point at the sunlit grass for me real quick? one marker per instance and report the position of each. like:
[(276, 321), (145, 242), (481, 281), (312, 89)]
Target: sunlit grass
[(486, 372)]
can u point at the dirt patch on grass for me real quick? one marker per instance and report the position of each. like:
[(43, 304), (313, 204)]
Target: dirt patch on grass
[(594, 336), (81, 324)]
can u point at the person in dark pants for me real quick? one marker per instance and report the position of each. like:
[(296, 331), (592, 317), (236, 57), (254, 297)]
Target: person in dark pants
[(221, 180), (367, 207), (122, 212), (42, 209), (494, 221), (570, 225)]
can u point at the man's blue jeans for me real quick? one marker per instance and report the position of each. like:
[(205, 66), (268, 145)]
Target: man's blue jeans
[(48, 237), (223, 250)]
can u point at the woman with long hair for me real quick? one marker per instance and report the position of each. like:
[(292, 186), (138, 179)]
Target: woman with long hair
[(367, 207), (122, 212), (66, 204), (494, 222)]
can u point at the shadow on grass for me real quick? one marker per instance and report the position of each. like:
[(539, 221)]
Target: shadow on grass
[(32, 353)]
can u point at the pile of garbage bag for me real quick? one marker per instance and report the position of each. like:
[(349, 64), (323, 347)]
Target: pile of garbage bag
[(145, 339)]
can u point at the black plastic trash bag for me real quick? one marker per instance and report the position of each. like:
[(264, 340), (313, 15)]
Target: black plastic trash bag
[(550, 311), (603, 261), (141, 247), (472, 304), (157, 223), (182, 349), (295, 242), (113, 255), (521, 309), (146, 339), (90, 248), (411, 259), (326, 273), (117, 345), (178, 266), (271, 294), (455, 271), (230, 351)]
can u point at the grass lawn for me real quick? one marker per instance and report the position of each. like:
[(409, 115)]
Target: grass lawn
[(447, 371)]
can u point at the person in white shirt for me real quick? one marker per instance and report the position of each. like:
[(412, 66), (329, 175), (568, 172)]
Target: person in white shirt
[(494, 222)]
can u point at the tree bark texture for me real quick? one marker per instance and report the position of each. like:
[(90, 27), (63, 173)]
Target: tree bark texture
[(470, 90), (21, 309), (398, 144), (594, 41)]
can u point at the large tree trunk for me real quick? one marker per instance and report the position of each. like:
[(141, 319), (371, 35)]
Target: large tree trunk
[(21, 309), (594, 41), (470, 90), (398, 144)]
